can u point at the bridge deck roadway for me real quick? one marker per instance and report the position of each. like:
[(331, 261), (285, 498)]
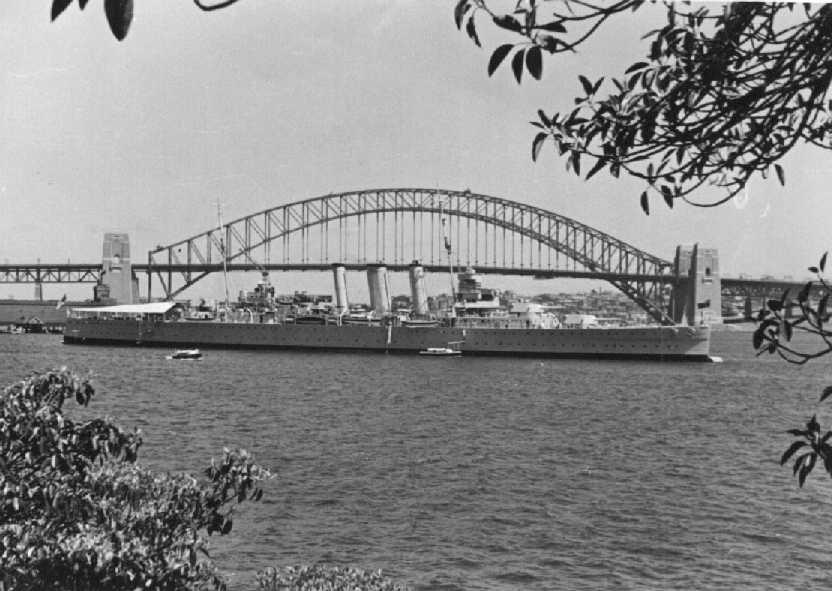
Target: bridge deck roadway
[(324, 267), (90, 272)]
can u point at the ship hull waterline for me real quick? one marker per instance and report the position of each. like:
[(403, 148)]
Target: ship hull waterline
[(666, 343)]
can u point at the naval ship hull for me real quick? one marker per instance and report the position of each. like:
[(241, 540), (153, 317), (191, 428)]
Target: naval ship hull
[(660, 342)]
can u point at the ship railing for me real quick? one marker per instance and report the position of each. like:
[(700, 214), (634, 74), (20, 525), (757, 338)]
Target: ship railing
[(95, 315)]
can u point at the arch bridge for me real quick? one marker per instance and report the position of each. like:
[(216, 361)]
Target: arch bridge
[(398, 226)]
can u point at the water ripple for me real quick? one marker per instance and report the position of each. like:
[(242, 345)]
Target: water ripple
[(488, 473)]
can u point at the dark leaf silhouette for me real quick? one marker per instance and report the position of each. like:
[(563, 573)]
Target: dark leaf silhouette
[(58, 6), (498, 56), (517, 64), (791, 451), (471, 29), (554, 27), (780, 174), (803, 295), (534, 62), (807, 469), (587, 85), (757, 339), (538, 143), (598, 166), (459, 12), (119, 16)]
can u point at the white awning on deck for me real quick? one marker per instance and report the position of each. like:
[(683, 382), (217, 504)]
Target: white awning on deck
[(151, 308)]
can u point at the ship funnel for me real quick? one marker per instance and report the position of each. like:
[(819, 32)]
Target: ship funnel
[(418, 294), (379, 296), (342, 305)]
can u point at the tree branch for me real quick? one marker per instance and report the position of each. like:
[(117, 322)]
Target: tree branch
[(218, 6)]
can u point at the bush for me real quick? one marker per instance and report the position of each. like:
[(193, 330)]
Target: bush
[(78, 512), (323, 578)]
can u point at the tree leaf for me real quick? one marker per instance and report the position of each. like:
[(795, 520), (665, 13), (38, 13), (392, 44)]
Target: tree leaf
[(575, 157), (498, 56), (636, 66), (119, 16), (807, 468), (586, 84), (780, 174), (517, 64), (804, 293), (826, 392), (459, 11), (668, 196), (790, 452), (554, 26), (787, 330), (757, 339), (799, 462), (598, 166), (645, 206), (824, 301), (508, 22), (58, 6), (534, 62), (537, 144), (471, 29), (822, 263)]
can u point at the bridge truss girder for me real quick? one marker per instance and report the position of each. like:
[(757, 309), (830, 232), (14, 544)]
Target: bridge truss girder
[(597, 252), (43, 273)]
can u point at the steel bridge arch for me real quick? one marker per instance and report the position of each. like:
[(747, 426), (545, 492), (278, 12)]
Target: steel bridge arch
[(595, 250)]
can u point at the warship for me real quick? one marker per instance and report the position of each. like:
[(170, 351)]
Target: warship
[(475, 322)]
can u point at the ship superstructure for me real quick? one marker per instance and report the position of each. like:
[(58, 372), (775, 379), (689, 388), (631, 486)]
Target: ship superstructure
[(477, 321)]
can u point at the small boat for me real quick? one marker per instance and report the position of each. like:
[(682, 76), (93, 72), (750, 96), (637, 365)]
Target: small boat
[(440, 351), (186, 354)]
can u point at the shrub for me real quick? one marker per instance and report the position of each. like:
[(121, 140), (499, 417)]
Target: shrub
[(78, 512), (323, 578)]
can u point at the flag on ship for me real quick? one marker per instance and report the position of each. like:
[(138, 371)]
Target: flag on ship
[(61, 302)]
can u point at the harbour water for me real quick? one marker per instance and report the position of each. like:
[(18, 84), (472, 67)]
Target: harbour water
[(489, 473)]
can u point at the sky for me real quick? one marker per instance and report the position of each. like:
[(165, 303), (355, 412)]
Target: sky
[(265, 103)]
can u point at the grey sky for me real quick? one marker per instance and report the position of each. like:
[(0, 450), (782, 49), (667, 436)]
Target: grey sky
[(270, 102)]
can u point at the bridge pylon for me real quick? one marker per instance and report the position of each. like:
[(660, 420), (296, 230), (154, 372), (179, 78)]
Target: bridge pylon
[(117, 281), (697, 291)]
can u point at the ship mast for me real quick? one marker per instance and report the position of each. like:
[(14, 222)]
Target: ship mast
[(221, 228), (450, 261)]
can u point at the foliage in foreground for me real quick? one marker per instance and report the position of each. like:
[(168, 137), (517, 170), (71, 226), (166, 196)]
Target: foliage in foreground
[(78, 512), (119, 13), (725, 91), (775, 329), (323, 578)]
